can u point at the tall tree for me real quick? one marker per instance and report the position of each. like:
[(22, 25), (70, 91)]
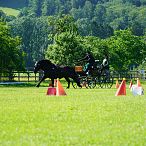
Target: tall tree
[(48, 8), (11, 56), (100, 13), (34, 33), (35, 7), (126, 50), (67, 46), (88, 10)]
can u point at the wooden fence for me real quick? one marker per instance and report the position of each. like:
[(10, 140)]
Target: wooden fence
[(128, 75), (29, 76)]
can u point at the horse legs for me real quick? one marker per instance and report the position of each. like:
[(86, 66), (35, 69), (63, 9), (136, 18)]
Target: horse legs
[(68, 80), (77, 80), (43, 78), (52, 80)]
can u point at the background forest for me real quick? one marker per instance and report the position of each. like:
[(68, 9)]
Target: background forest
[(63, 30)]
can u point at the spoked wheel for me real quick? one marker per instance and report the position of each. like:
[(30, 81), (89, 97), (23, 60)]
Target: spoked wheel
[(106, 82), (102, 81), (110, 82), (98, 82), (74, 84), (91, 81), (87, 82), (83, 82)]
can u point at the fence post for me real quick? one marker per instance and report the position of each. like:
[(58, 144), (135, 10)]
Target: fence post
[(28, 76), (10, 76), (35, 77), (40, 75), (19, 76)]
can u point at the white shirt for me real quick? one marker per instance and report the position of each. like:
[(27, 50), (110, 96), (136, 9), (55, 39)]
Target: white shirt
[(105, 62)]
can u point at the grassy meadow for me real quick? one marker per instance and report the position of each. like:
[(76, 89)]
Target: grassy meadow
[(10, 11), (85, 117)]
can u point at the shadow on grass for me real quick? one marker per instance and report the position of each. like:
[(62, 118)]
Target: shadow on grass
[(28, 84), (23, 84)]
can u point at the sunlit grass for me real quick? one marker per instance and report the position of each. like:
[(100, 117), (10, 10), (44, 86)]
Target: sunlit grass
[(10, 11), (84, 117)]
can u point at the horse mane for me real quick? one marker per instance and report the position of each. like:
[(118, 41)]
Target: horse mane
[(57, 65), (46, 61)]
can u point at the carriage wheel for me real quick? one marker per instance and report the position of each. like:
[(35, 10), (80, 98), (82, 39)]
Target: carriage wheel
[(91, 82), (106, 83), (110, 82), (102, 81), (74, 84), (83, 82), (98, 82)]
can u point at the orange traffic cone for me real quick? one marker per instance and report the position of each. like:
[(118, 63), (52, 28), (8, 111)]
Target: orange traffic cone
[(55, 83), (130, 84), (51, 91), (50, 85), (122, 89), (60, 90), (138, 83), (117, 84)]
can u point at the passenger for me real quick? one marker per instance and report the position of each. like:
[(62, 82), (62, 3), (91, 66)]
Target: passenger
[(105, 65)]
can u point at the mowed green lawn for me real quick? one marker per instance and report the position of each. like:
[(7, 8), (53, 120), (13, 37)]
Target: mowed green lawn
[(10, 11), (28, 117)]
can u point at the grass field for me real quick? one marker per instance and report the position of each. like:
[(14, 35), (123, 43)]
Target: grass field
[(28, 117), (10, 11)]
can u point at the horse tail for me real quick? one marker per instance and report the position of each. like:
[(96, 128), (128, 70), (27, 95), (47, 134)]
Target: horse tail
[(73, 74)]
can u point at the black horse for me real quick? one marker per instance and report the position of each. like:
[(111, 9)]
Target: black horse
[(53, 71)]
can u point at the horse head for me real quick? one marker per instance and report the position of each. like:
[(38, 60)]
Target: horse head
[(42, 65), (37, 67)]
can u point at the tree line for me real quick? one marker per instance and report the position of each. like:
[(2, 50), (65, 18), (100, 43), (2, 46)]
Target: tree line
[(66, 31), (94, 17)]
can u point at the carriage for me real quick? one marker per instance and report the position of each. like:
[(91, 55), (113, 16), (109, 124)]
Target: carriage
[(96, 77)]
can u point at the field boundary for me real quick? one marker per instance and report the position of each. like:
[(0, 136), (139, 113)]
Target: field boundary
[(30, 76)]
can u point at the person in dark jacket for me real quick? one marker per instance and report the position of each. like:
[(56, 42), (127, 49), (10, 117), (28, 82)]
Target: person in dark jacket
[(90, 61)]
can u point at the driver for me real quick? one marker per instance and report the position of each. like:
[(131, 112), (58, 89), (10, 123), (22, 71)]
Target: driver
[(90, 61)]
